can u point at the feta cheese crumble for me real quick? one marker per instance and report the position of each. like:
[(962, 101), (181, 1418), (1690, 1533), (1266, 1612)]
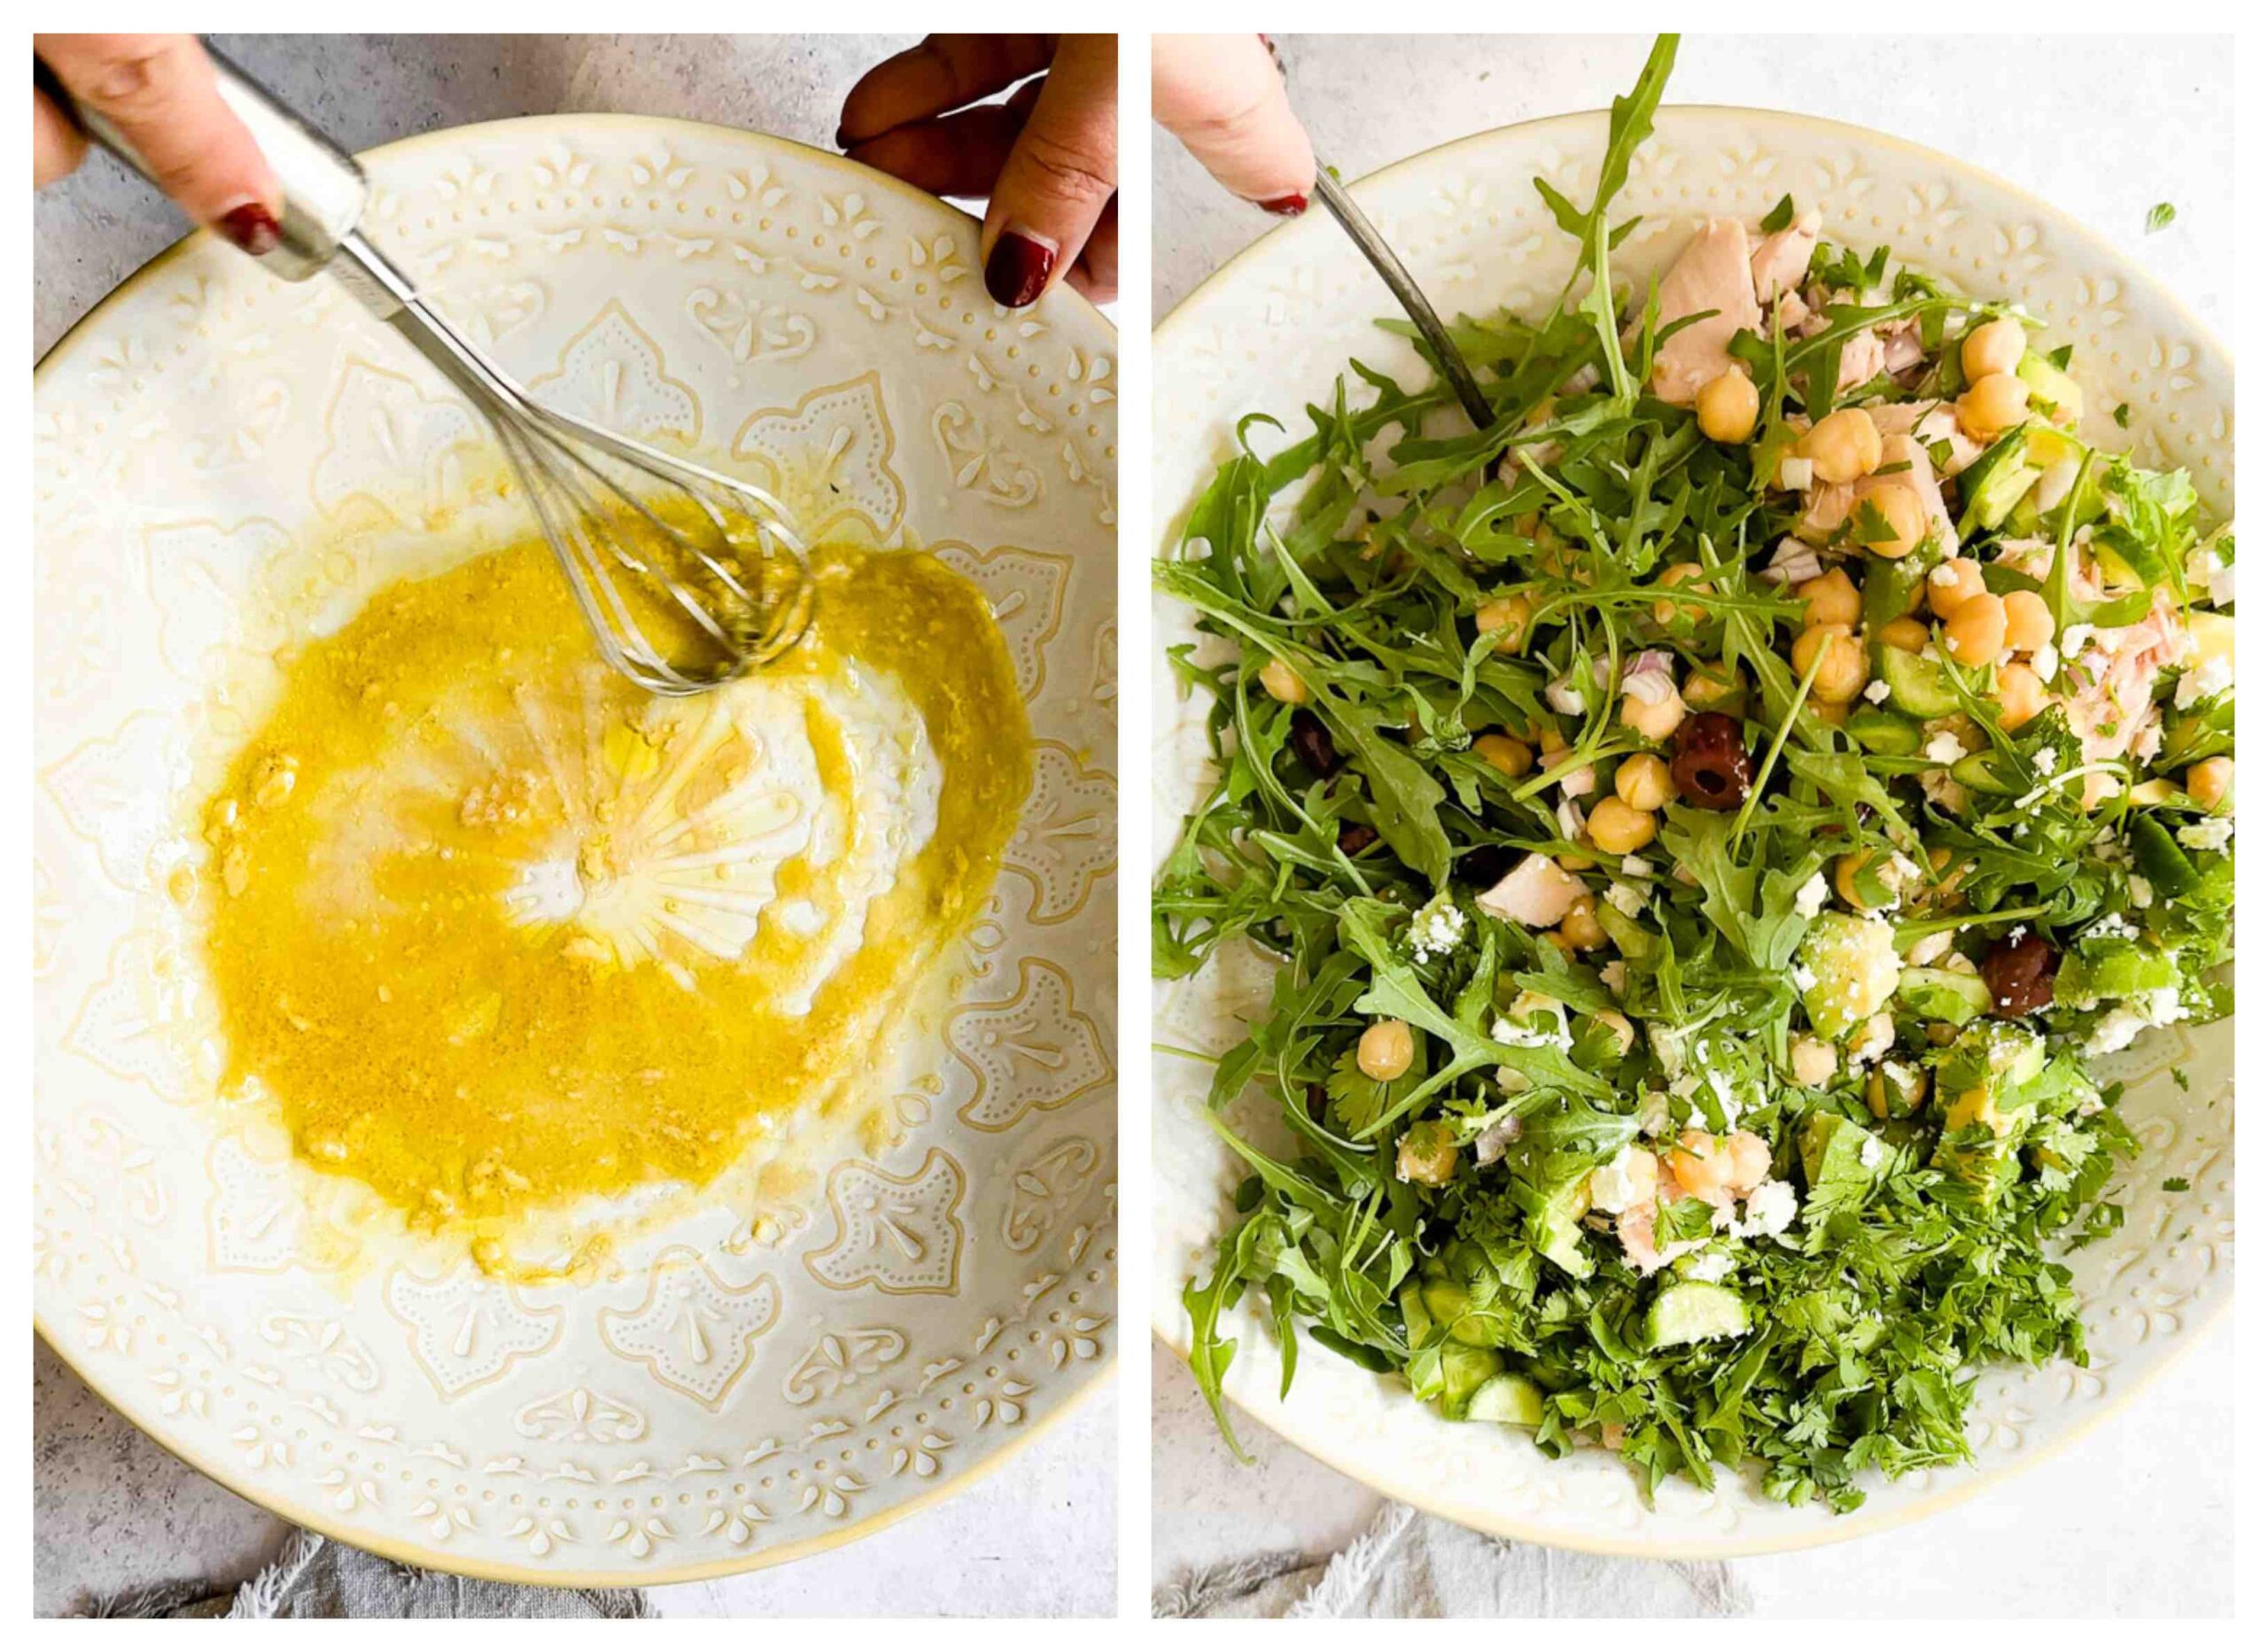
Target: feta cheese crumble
[(1945, 749), (1437, 927)]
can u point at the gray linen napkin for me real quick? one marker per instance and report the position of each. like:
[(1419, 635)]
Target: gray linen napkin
[(314, 1578), (1411, 1565)]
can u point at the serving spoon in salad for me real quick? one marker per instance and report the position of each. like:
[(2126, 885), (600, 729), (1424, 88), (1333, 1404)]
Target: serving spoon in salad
[(1408, 293)]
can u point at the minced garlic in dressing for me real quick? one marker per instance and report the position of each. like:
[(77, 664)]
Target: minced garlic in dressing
[(496, 932)]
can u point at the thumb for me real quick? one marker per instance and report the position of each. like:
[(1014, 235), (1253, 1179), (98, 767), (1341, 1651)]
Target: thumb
[(1222, 98), (159, 90)]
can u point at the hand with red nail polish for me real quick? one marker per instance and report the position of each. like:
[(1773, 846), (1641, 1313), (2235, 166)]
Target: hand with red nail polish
[(157, 89), (1223, 96), (1044, 158)]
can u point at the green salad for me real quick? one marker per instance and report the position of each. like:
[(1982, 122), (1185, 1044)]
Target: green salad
[(1708, 825)]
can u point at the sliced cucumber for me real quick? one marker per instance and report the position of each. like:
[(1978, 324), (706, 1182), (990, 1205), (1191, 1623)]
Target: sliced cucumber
[(2097, 972), (1976, 772), (1918, 686), (1690, 1311), (1883, 732), (1507, 1398), (1943, 995), (1991, 487), (1417, 1324)]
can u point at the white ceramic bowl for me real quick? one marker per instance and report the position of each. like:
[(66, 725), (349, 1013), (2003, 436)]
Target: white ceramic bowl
[(209, 437), (1269, 332)]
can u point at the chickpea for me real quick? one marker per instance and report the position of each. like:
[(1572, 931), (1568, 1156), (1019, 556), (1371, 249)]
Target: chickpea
[(1812, 1061), (1887, 1096), (1907, 635), (1509, 757), (1705, 1166), (1715, 687), (1548, 739), (2212, 781), (1944, 892), (1510, 615), (1727, 407), (1283, 683), (1834, 714), (1996, 346), (1842, 447), (1900, 509), (1991, 404), (1953, 582), (1848, 870), (1643, 782), (2030, 622), (1426, 1155), (1386, 1051), (1656, 719), (2022, 694), (1842, 662), (1580, 928), (1830, 600), (1698, 1164), (1751, 1161), (1625, 1035), (1668, 614), (1979, 630), (1621, 828)]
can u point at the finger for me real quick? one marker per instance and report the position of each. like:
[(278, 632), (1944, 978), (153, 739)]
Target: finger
[(58, 146), (1221, 95), (1059, 176), (159, 90), (1096, 274), (942, 74), (956, 154)]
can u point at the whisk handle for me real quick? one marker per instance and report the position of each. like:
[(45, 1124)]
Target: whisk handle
[(323, 188)]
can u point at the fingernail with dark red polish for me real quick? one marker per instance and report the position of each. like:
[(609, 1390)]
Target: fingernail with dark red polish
[(1017, 271), (842, 137), (1285, 205), (253, 227)]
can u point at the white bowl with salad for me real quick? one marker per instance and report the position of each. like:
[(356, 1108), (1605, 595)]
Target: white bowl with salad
[(1694, 926)]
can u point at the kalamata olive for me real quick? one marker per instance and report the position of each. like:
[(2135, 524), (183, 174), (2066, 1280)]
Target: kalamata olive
[(1354, 837), (1311, 743), (2020, 971), (1709, 762)]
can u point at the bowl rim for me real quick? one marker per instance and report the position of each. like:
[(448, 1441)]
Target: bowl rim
[(1076, 1397), (1317, 1443)]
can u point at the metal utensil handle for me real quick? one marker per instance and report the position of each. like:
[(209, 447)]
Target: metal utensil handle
[(323, 188), (1413, 298)]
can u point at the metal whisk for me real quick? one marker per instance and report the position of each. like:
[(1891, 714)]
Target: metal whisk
[(640, 535)]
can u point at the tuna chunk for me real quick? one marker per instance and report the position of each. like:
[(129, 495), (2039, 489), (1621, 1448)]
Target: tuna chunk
[(1928, 423), (1712, 274), (1781, 257), (2110, 709), (1538, 893)]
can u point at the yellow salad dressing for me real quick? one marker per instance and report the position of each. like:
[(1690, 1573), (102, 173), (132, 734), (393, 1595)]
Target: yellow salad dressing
[(494, 931)]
